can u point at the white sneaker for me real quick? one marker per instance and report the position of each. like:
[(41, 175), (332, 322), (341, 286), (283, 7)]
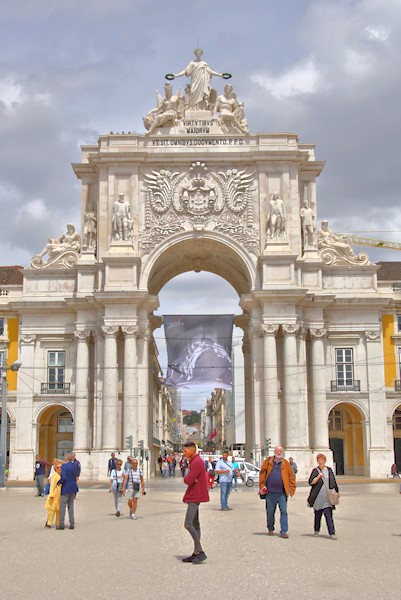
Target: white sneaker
[(134, 517)]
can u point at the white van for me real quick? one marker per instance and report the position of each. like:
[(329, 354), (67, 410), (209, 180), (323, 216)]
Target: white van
[(249, 472)]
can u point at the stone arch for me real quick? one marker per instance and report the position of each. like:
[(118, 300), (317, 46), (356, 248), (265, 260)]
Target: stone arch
[(55, 430), (347, 437), (209, 251)]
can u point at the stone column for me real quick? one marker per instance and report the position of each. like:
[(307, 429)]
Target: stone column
[(290, 385), (130, 398), (319, 428), (110, 390), (303, 390), (249, 441), (81, 416), (270, 387), (255, 337), (143, 385)]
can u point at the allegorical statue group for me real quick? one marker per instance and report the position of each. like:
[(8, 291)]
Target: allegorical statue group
[(198, 96)]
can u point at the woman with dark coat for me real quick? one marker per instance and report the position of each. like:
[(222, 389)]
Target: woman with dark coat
[(321, 477)]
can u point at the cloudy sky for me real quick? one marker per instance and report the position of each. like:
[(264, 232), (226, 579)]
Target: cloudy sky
[(327, 70)]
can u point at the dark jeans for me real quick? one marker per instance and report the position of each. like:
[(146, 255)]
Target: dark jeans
[(328, 514), (67, 500), (272, 499), (192, 524)]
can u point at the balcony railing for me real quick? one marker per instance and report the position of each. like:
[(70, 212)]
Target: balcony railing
[(354, 386), (55, 388), (397, 385)]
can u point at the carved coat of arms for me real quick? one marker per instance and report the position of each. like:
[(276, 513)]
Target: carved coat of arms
[(199, 199)]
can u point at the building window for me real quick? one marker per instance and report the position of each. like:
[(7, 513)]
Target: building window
[(64, 447), (1, 326), (397, 419), (399, 323), (344, 367), (336, 420), (64, 423), (56, 370)]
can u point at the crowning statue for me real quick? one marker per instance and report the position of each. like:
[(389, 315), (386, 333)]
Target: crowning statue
[(200, 73), (335, 249), (63, 252), (226, 113)]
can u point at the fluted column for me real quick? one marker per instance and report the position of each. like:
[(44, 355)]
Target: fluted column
[(255, 337), (303, 418), (270, 386), (130, 397), (143, 385), (110, 389), (319, 428), (81, 417), (291, 391), (377, 395)]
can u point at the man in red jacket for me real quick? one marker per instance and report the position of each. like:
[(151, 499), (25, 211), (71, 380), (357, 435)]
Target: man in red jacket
[(196, 493)]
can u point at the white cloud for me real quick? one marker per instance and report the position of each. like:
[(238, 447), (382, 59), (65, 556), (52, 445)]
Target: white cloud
[(377, 34), (10, 92), (34, 209), (303, 78)]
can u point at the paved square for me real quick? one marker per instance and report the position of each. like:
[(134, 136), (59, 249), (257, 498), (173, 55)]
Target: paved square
[(107, 557)]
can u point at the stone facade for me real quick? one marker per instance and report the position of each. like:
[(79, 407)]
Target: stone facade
[(199, 192)]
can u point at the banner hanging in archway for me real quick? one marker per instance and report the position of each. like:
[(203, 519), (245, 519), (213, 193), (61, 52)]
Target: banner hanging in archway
[(199, 350)]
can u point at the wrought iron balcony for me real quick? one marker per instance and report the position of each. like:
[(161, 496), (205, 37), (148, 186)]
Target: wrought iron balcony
[(55, 388), (397, 385), (354, 386)]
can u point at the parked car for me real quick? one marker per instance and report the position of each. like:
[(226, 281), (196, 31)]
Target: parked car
[(249, 473)]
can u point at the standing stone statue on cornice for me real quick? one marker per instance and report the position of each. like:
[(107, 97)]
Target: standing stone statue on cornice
[(276, 218), (122, 220), (200, 73), (308, 225)]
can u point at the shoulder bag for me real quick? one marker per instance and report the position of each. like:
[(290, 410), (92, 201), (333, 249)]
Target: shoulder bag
[(332, 495)]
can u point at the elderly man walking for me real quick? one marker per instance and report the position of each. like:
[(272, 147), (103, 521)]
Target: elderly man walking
[(69, 489), (277, 481)]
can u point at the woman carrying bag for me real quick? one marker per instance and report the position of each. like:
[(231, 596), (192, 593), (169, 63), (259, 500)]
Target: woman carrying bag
[(323, 495), (118, 478)]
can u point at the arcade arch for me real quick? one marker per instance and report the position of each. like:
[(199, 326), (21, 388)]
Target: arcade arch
[(347, 439), (55, 432)]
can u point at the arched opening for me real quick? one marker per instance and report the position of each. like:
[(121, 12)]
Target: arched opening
[(397, 437), (346, 439), (55, 432)]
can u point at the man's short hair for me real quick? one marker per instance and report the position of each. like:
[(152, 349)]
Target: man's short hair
[(190, 444)]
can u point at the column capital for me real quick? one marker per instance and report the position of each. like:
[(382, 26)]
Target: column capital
[(289, 329), (28, 339), (109, 330), (82, 336), (317, 333), (302, 333), (373, 336), (144, 332), (255, 330), (269, 329), (130, 331)]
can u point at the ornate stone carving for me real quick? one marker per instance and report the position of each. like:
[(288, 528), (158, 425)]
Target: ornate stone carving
[(169, 109), (336, 249), (89, 232), (131, 330), (144, 332), (255, 330), (276, 218), (317, 333), (63, 252), (197, 200), (270, 329), (82, 335), (307, 225), (28, 339), (302, 333), (109, 330), (373, 336), (122, 220), (289, 329), (231, 112), (198, 94)]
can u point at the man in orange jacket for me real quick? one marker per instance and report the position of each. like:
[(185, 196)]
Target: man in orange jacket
[(277, 481)]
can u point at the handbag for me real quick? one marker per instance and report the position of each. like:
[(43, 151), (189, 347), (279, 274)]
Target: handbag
[(135, 484), (119, 484), (332, 495)]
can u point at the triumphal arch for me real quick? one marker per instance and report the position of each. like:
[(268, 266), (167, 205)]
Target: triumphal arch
[(197, 190)]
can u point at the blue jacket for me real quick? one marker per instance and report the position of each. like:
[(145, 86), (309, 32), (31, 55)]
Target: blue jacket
[(68, 479)]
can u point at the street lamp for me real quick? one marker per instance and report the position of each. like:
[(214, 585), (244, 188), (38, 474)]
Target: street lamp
[(3, 432)]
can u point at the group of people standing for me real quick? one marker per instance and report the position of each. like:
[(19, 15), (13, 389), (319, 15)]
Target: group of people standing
[(123, 479), (277, 482), (63, 480)]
